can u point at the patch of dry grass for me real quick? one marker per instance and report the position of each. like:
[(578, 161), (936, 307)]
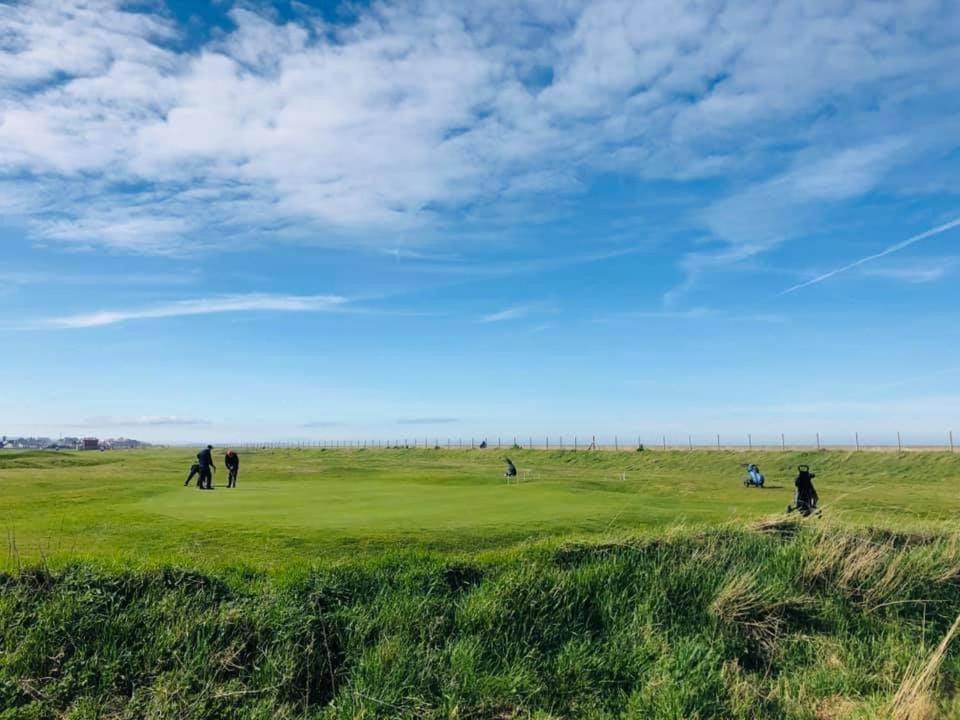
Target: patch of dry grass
[(916, 697)]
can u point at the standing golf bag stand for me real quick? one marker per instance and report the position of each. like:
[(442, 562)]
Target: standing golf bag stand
[(754, 477)]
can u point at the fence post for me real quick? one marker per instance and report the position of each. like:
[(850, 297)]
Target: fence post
[(857, 435), (899, 444), (818, 441), (718, 441), (664, 442), (783, 443), (690, 441), (616, 443), (546, 442), (749, 441), (574, 443), (951, 441)]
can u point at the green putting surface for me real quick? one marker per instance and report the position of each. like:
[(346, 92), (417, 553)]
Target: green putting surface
[(296, 506)]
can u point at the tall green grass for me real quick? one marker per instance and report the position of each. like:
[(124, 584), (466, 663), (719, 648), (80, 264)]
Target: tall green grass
[(770, 622)]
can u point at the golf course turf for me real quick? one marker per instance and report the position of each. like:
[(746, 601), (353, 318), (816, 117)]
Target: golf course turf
[(301, 507), (419, 584)]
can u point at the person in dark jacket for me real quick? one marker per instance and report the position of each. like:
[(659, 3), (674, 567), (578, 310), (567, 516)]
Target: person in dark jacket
[(194, 470), (205, 461), (232, 462)]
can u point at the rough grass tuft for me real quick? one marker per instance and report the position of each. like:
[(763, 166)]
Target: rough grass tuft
[(721, 624), (915, 698)]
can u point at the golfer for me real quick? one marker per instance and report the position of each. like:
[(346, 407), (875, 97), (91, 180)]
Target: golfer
[(232, 462), (207, 468)]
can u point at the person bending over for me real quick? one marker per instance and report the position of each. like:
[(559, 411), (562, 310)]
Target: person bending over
[(232, 462), (194, 470)]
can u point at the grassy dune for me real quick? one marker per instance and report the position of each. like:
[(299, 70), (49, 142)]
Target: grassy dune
[(717, 624), (416, 584)]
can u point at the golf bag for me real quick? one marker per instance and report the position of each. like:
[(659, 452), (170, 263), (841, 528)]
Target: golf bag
[(754, 477), (806, 499)]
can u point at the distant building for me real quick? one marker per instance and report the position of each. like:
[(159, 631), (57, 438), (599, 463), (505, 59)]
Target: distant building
[(68, 443), (123, 444)]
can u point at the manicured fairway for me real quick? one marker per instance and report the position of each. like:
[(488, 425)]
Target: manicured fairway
[(295, 507)]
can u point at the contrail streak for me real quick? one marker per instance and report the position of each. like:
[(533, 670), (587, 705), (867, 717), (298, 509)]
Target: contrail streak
[(892, 249)]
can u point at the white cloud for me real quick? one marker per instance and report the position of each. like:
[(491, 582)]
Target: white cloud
[(517, 312), (209, 306), (117, 137)]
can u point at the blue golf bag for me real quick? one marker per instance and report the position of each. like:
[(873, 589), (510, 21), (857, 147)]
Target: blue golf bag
[(754, 477)]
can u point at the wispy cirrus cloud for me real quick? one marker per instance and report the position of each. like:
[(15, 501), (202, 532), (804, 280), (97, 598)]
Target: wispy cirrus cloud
[(917, 273), (207, 306), (141, 421), (521, 266), (517, 312), (702, 313), (766, 214), (19, 278), (897, 247)]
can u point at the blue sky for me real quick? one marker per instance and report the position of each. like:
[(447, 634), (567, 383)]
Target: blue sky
[(240, 221)]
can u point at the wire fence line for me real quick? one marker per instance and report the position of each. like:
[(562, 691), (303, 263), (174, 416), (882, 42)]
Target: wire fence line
[(856, 442)]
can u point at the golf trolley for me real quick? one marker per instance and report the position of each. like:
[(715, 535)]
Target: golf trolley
[(806, 500), (754, 478)]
